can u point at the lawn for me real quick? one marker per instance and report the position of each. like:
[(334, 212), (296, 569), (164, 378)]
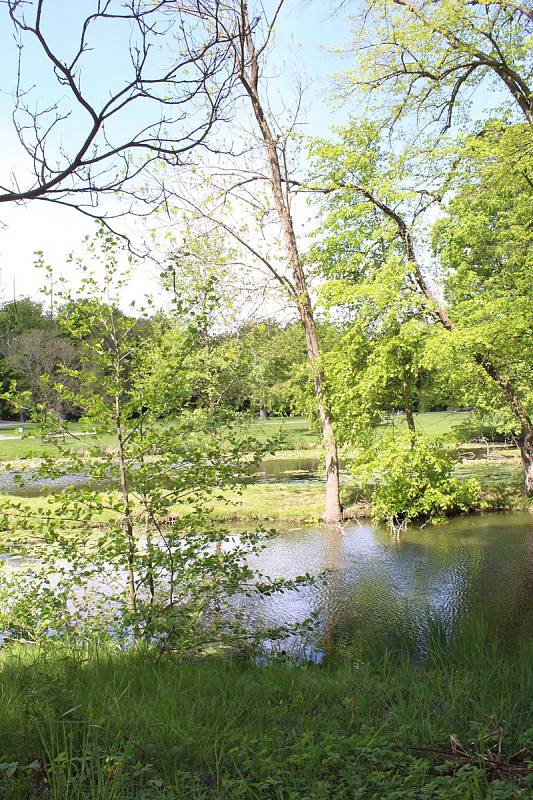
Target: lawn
[(297, 433), (287, 501)]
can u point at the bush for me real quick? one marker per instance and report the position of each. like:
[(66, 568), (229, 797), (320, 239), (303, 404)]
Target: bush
[(412, 480)]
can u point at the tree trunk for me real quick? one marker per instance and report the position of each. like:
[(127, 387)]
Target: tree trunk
[(249, 76), (333, 508), (407, 410), (131, 550), (526, 451), (263, 414)]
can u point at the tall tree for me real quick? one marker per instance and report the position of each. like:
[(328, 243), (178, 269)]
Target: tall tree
[(371, 232), (427, 58), (250, 35), (485, 244)]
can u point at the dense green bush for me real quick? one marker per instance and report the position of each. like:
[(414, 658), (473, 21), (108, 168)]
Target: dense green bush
[(411, 479)]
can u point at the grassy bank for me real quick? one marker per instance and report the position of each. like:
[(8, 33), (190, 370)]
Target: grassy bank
[(303, 502), (287, 501), (111, 726)]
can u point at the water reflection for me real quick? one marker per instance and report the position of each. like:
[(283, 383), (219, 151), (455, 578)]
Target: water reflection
[(273, 470), (378, 586)]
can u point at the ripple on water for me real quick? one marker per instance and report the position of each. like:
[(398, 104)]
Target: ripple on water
[(377, 584)]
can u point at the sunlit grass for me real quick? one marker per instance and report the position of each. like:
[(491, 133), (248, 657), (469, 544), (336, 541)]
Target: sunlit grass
[(298, 434)]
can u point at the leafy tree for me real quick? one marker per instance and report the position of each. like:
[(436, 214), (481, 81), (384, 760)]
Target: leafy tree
[(376, 239), (376, 365), (485, 244), (273, 356), (412, 480), (143, 561), (19, 316), (425, 59)]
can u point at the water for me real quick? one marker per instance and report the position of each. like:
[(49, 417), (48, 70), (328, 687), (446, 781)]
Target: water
[(274, 470), (302, 469), (379, 586), (22, 483)]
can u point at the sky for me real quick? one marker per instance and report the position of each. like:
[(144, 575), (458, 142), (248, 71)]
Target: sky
[(306, 34)]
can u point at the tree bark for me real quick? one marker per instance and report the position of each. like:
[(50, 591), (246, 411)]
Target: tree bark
[(131, 588), (248, 70), (263, 414), (408, 410), (526, 451)]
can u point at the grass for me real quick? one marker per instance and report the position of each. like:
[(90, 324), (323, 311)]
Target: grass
[(298, 433), (287, 501), (270, 502), (435, 424), (294, 502), (106, 725)]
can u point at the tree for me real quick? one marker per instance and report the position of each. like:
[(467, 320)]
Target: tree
[(32, 355), (412, 480), (485, 244), (87, 140), (381, 234), (272, 356), (249, 35), (143, 560), (423, 59)]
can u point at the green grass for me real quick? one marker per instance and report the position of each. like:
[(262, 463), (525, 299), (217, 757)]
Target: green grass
[(303, 502), (276, 502), (111, 726), (435, 424), (298, 434)]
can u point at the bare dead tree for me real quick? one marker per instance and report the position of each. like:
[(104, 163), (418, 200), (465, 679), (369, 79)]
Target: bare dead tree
[(90, 140), (249, 36)]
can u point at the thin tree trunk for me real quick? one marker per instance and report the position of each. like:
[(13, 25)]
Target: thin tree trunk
[(249, 77), (408, 410), (127, 515), (131, 589)]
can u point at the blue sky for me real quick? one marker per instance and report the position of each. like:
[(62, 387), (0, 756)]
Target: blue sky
[(309, 38), (306, 34)]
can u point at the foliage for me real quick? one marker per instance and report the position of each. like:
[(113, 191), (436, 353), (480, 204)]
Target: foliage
[(26, 336), (422, 62), (411, 480), (485, 245), (158, 567)]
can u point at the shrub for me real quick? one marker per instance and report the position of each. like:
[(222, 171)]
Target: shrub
[(412, 480)]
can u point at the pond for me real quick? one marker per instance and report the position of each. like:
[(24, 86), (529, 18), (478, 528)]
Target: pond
[(271, 470), (381, 586), (279, 469)]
